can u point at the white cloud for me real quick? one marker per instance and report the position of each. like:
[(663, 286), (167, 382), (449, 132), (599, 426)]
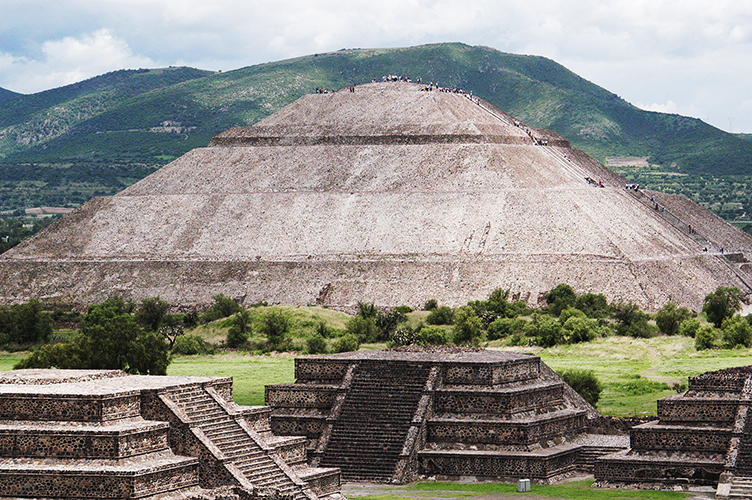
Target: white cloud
[(69, 60)]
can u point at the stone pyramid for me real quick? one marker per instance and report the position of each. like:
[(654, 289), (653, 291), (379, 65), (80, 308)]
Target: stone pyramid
[(391, 194)]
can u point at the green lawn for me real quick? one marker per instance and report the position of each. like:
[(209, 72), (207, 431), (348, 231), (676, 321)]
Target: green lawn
[(574, 490)]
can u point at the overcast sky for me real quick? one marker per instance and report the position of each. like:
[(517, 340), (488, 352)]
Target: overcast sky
[(692, 57)]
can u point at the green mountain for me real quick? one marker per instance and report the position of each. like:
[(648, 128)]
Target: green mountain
[(98, 136)]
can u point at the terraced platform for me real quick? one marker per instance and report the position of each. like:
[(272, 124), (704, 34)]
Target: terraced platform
[(104, 434), (702, 437), (396, 415)]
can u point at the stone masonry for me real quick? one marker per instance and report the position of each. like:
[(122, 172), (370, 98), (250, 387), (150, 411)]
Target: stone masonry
[(399, 414), (701, 437), (391, 195), (107, 435)]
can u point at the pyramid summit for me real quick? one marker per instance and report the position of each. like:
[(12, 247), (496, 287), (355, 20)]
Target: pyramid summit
[(391, 194)]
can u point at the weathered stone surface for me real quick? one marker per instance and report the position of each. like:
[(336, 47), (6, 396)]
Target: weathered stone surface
[(390, 195)]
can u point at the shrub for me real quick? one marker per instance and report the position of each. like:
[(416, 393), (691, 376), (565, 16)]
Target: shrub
[(274, 325), (323, 330), (669, 318), (189, 345), (431, 335), (689, 327), (705, 338), (467, 326), (443, 315), (430, 305), (721, 304), (560, 297), (346, 343), (223, 307), (498, 302), (631, 321), (517, 308), (592, 304), (239, 329), (403, 336), (584, 383), (403, 309), (546, 329), (362, 328), (570, 312), (504, 327), (579, 329), (24, 323), (316, 344), (736, 332)]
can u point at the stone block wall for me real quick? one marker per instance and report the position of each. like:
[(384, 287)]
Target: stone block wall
[(498, 402), (678, 409)]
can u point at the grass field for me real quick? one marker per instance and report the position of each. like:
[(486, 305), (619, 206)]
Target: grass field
[(574, 490)]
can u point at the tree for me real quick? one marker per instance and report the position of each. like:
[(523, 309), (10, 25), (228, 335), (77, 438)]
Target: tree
[(274, 325), (721, 304), (669, 318), (25, 323), (443, 315), (239, 329), (705, 338), (631, 321), (585, 383), (467, 326), (110, 338), (560, 297), (736, 332), (546, 329), (223, 307), (151, 313), (363, 328), (592, 304), (578, 329)]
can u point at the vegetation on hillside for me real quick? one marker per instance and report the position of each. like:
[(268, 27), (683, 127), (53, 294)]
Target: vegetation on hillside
[(62, 146)]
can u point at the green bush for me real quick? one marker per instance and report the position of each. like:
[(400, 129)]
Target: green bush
[(403, 309), (560, 297), (431, 335), (443, 315), (736, 332), (584, 383), (346, 343), (223, 307), (403, 336), (362, 328), (594, 305), (240, 329), (579, 329), (570, 312), (669, 318), (189, 345), (721, 304), (689, 327), (275, 326), (430, 305), (467, 326), (316, 344), (504, 327), (25, 323), (705, 338), (545, 329), (631, 321), (151, 313)]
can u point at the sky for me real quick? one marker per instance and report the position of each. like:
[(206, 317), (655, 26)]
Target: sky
[(688, 57)]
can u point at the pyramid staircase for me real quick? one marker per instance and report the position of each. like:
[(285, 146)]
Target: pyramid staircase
[(247, 447), (369, 436), (395, 415)]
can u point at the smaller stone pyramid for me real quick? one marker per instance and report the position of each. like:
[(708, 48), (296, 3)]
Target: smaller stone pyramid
[(399, 414)]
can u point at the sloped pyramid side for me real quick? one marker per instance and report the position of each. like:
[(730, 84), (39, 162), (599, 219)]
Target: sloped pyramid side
[(389, 194)]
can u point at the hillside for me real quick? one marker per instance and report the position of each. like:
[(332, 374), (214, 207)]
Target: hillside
[(101, 135)]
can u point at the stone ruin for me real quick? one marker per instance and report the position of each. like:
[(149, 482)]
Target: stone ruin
[(107, 435), (701, 437), (400, 414), (390, 195)]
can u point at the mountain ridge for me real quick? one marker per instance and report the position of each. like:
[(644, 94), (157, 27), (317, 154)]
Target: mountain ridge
[(145, 118)]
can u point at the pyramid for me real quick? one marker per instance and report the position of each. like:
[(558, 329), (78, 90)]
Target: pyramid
[(390, 194)]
